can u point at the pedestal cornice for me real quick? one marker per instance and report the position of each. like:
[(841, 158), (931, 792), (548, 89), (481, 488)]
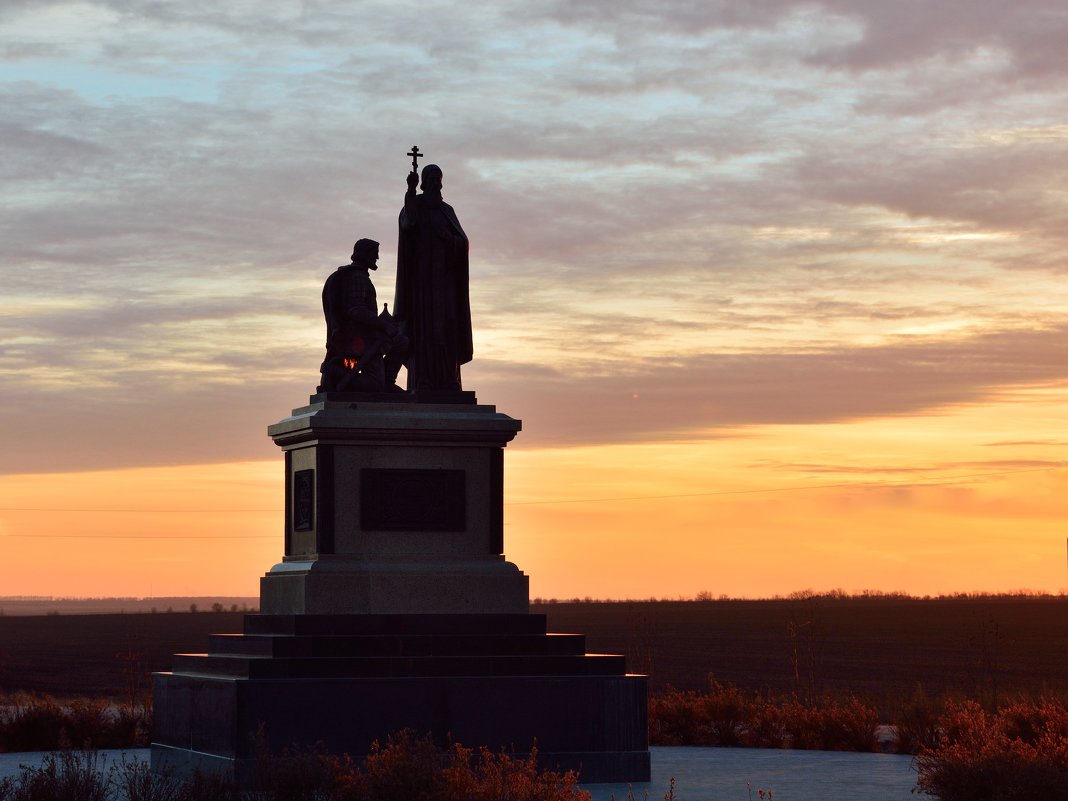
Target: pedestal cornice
[(356, 422)]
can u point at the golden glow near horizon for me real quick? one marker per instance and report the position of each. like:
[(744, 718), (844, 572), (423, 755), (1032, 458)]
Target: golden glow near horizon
[(937, 503), (185, 530), (780, 299)]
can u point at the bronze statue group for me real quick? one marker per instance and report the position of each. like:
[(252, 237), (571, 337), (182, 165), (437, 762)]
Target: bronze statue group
[(429, 330)]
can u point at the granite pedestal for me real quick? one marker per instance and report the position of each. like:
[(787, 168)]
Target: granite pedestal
[(394, 608), (394, 508)]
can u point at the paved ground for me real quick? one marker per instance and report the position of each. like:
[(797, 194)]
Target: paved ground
[(727, 774)]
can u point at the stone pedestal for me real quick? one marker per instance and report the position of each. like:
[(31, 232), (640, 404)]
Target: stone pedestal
[(393, 608), (394, 508)]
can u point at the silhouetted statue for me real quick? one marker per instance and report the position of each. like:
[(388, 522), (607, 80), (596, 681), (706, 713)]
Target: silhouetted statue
[(364, 349), (432, 285)]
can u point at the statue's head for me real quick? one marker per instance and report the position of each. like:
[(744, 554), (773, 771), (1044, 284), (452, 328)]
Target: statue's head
[(365, 254), (431, 179)]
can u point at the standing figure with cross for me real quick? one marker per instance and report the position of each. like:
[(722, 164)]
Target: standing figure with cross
[(432, 299)]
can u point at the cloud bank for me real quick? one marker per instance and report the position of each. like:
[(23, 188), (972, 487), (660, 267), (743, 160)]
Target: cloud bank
[(741, 213)]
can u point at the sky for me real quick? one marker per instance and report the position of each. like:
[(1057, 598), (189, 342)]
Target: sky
[(778, 289)]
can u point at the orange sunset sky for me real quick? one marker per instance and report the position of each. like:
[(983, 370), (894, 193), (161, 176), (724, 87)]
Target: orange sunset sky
[(778, 289)]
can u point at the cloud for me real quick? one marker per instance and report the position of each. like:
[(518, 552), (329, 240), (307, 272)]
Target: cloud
[(1027, 31), (707, 204), (726, 391), (990, 188), (932, 474), (155, 417)]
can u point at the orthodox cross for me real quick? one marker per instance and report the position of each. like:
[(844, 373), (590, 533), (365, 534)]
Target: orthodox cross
[(415, 154)]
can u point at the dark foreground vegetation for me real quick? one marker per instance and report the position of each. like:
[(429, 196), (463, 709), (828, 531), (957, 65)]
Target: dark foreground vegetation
[(42, 723), (965, 753), (1018, 753), (405, 769)]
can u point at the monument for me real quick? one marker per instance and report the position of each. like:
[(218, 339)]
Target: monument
[(393, 606)]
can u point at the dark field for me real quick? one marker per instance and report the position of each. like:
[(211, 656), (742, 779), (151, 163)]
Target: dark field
[(878, 649)]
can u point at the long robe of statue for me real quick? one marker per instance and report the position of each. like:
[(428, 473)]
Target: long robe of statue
[(432, 287)]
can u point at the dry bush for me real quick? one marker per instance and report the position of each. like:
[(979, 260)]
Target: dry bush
[(768, 728), (215, 787), (42, 723), (139, 782), (306, 775), (851, 725), (70, 776), (408, 768), (830, 725), (916, 723), (806, 726), (136, 781), (726, 716), (1017, 753), (490, 777), (32, 723), (676, 718), (727, 712), (87, 723)]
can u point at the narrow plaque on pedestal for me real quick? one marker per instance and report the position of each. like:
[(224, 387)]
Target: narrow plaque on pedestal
[(304, 500)]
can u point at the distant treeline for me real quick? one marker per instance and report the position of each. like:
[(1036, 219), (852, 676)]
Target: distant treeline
[(50, 605), (822, 595)]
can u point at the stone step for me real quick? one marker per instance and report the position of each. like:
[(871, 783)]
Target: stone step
[(427, 624), (368, 645), (263, 667)]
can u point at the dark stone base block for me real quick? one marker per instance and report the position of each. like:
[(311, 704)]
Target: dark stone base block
[(345, 681)]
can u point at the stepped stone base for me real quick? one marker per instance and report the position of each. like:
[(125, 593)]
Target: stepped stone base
[(345, 680)]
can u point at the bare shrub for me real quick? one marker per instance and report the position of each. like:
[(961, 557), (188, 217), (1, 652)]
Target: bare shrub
[(32, 723), (42, 723), (214, 787), (139, 782), (87, 723), (67, 776), (677, 718), (490, 777), (916, 724), (727, 716), (306, 775), (406, 768), (1017, 753), (727, 713)]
